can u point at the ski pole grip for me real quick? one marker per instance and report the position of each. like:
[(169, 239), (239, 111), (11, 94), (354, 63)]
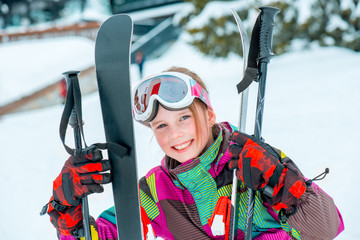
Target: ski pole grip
[(69, 74), (71, 77), (267, 16)]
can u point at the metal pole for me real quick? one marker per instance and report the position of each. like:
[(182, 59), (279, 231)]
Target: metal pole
[(265, 54)]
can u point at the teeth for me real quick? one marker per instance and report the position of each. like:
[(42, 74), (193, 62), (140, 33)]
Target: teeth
[(182, 146)]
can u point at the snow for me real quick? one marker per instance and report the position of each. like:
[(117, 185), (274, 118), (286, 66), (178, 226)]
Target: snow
[(160, 11), (312, 113), (335, 22), (215, 10), (28, 66)]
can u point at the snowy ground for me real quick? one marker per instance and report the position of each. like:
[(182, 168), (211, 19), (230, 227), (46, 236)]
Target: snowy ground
[(312, 112), (32, 65)]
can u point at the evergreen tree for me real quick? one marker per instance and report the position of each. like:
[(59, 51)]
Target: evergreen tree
[(332, 22), (219, 35)]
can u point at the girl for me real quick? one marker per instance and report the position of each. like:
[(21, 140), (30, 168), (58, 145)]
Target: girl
[(187, 196)]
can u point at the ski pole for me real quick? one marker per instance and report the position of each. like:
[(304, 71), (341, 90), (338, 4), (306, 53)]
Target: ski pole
[(263, 33), (76, 123)]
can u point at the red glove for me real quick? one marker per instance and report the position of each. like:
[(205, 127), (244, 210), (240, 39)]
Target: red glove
[(67, 220), (81, 176), (261, 168)]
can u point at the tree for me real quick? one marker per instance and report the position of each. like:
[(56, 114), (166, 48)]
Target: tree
[(331, 23), (218, 36), (334, 23)]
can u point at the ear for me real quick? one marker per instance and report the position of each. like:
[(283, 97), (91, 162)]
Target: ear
[(211, 117)]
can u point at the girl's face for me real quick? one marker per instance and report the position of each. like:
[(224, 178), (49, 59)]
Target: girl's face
[(176, 132)]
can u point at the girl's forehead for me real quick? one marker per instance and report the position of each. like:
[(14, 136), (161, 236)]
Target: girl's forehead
[(169, 113)]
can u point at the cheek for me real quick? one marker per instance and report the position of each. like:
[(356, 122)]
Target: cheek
[(204, 135), (189, 127), (161, 140)]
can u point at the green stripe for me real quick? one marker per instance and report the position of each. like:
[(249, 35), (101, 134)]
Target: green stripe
[(209, 156), (109, 215), (262, 219), (201, 184), (295, 233), (149, 206), (178, 184), (225, 191), (152, 184)]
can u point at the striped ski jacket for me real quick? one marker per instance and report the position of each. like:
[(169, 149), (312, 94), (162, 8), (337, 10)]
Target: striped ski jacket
[(179, 199)]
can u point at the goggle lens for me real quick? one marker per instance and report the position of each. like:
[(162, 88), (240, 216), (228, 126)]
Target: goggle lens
[(169, 88)]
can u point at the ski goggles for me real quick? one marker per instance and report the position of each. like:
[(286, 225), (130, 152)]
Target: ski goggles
[(173, 90)]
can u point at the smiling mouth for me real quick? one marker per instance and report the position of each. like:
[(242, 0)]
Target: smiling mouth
[(183, 145)]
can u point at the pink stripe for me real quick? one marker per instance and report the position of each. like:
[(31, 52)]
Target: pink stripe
[(341, 224), (167, 190), (63, 237), (106, 229), (273, 234)]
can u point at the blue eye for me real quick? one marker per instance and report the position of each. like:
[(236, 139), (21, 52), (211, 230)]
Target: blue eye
[(185, 117), (161, 126)]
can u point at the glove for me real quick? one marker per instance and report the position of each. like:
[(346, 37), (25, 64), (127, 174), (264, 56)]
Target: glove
[(261, 168), (67, 220), (81, 176)]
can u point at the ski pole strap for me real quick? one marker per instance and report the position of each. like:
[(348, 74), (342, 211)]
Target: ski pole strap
[(249, 77), (247, 172), (118, 149), (72, 109), (268, 190)]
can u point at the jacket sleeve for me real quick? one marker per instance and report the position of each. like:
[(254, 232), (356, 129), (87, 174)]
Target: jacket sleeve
[(147, 209), (317, 217), (106, 229)]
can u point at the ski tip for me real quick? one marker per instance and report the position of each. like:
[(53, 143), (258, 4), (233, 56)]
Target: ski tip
[(119, 17), (116, 21)]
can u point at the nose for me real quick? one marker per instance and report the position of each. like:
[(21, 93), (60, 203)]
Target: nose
[(175, 132)]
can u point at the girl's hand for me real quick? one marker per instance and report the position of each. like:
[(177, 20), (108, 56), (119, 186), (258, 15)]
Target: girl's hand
[(81, 176), (261, 168)]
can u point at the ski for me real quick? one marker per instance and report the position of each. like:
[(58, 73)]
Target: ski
[(112, 63), (242, 123)]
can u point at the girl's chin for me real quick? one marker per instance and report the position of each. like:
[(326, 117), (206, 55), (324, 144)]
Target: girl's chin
[(183, 160)]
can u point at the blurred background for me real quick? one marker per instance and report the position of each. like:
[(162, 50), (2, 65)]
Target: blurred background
[(158, 23), (312, 105)]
